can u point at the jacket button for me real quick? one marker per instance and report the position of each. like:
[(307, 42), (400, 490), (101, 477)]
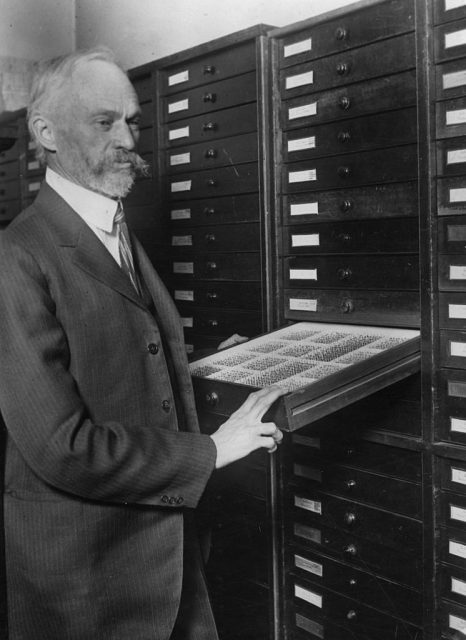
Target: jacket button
[(166, 404), (165, 499), (172, 500), (153, 348), (179, 500)]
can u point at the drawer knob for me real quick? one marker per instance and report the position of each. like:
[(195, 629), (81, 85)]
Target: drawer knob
[(344, 273), (210, 153), (210, 237), (211, 296), (350, 484), (344, 103), (347, 306), (212, 398), (341, 33), (211, 182), (352, 582), (209, 211), (345, 237), (344, 172), (351, 550), (211, 266), (351, 615), (342, 68), (209, 126), (212, 323), (350, 518), (209, 97), (209, 69), (346, 205), (344, 136)]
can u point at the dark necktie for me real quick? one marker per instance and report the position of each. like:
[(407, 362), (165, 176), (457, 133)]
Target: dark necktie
[(124, 244)]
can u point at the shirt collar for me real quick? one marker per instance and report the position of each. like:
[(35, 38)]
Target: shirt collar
[(94, 208)]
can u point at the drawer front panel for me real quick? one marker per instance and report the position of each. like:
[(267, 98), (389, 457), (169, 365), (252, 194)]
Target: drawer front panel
[(10, 154), (450, 41), (451, 196), (10, 209), (218, 153), (452, 505), (451, 156), (379, 94), (451, 618), (452, 310), (453, 349), (229, 295), (229, 209), (358, 272), (446, 10), (450, 78), (379, 59), (241, 237), (210, 97), (381, 236), (452, 546), (451, 421), (210, 67), (452, 581), (9, 190), (452, 272), (452, 235), (361, 134), (216, 182), (9, 171), (368, 167), (450, 118), (452, 475), (221, 322), (229, 266), (379, 201)]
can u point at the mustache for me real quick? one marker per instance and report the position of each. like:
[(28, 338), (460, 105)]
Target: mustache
[(138, 164)]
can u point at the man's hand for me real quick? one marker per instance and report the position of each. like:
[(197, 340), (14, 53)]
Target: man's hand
[(244, 432)]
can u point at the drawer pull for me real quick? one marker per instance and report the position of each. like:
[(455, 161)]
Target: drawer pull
[(344, 136), (342, 69), (345, 237), (344, 172), (344, 103), (210, 153), (212, 398), (352, 582), (351, 615), (212, 323), (209, 211), (211, 266), (211, 296), (341, 33), (351, 550), (344, 273), (211, 182), (350, 484), (209, 97), (210, 237), (209, 126), (347, 306), (350, 518), (209, 69), (346, 206)]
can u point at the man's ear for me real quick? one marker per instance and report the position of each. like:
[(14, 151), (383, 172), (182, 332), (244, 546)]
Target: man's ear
[(44, 132)]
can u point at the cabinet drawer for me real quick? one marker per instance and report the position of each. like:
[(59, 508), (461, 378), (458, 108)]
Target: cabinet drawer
[(451, 196), (452, 476), (218, 266), (451, 156), (32, 185), (379, 201), (212, 66), (10, 209), (351, 618), (9, 190), (452, 310), (210, 97), (355, 584), (392, 494), (450, 79), (229, 209), (361, 134), (348, 31), (445, 10), (217, 153), (379, 59), (216, 182), (226, 295), (353, 272), (452, 505), (453, 349), (452, 546), (220, 322), (220, 124), (450, 40), (451, 423), (452, 235), (452, 273), (381, 236), (451, 618), (9, 171), (450, 118), (241, 237), (381, 94), (10, 154), (316, 508), (452, 583), (33, 166), (368, 167)]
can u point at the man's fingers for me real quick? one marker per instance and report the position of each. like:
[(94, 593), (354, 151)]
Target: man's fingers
[(258, 402)]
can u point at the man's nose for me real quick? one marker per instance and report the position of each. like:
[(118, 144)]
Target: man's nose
[(126, 137)]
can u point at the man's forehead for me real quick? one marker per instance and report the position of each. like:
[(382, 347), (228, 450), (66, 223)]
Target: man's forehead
[(102, 83)]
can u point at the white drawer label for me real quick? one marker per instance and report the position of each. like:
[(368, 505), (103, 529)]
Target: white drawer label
[(457, 116), (183, 267), (182, 132), (457, 513), (178, 78), (457, 549), (303, 111), (33, 165), (297, 47), (458, 349), (458, 475), (309, 596), (182, 241), (300, 144), (457, 195), (304, 209), (454, 4), (457, 310), (456, 424), (302, 176), (455, 38), (308, 565), (305, 240), (180, 158), (459, 624), (299, 80), (456, 156), (180, 214), (458, 586), (298, 304), (180, 105), (457, 272), (187, 322), (308, 505), (185, 296), (185, 185), (34, 186), (303, 274), (456, 79)]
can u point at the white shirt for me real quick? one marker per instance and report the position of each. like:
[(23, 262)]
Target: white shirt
[(97, 211)]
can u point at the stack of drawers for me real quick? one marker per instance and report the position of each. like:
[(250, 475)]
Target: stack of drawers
[(450, 465), (10, 192), (347, 167), (211, 143)]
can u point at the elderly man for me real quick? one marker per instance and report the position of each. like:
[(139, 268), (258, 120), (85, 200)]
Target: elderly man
[(105, 462)]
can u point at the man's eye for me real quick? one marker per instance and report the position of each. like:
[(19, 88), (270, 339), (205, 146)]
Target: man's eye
[(134, 124), (104, 123)]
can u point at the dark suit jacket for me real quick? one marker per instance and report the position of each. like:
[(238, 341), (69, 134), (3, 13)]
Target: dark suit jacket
[(98, 476)]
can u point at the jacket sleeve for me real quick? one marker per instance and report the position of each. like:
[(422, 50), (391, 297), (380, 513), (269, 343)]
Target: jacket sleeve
[(49, 424)]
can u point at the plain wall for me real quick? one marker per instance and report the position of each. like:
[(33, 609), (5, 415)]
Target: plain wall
[(139, 31)]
